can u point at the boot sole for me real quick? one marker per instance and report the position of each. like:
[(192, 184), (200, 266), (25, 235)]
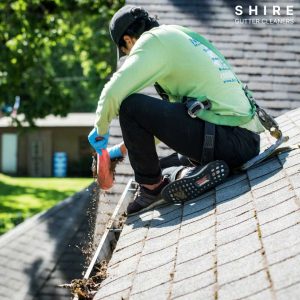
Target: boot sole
[(191, 187)]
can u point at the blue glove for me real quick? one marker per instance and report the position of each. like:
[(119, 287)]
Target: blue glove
[(115, 152), (98, 142)]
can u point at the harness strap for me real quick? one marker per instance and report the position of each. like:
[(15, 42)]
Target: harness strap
[(161, 92), (193, 107), (208, 143), (266, 120)]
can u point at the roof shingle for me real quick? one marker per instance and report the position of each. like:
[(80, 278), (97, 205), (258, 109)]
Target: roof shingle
[(46, 250), (241, 240)]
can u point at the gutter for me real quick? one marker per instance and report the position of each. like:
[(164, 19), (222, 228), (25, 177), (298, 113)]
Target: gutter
[(104, 250)]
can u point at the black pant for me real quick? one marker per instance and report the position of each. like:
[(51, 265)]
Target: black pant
[(142, 117)]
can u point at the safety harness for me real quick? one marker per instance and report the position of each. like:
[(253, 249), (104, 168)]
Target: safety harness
[(193, 106)]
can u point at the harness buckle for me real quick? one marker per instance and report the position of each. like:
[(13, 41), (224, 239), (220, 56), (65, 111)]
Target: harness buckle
[(193, 107)]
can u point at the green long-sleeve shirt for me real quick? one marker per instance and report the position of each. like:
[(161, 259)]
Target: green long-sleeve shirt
[(184, 64)]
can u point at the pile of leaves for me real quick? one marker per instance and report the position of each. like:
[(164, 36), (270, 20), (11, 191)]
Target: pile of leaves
[(85, 289)]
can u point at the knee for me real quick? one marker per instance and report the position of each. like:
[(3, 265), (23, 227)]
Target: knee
[(128, 105)]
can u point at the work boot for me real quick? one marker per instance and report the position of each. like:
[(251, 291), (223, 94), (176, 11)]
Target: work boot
[(145, 198), (191, 182)]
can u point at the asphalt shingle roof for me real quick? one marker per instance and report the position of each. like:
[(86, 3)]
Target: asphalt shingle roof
[(250, 242), (238, 241), (46, 250)]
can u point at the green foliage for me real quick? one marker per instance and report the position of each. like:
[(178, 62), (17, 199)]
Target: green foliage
[(55, 54)]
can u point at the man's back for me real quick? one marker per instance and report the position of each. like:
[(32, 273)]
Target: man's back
[(195, 68)]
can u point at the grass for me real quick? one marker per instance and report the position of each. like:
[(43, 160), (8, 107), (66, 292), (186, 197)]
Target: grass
[(21, 198)]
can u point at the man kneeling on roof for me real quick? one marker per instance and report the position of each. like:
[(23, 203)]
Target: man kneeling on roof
[(206, 116)]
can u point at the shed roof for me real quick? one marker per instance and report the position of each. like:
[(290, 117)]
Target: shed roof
[(71, 120), (238, 241)]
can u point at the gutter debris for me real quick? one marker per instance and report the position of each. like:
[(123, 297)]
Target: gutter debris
[(85, 288)]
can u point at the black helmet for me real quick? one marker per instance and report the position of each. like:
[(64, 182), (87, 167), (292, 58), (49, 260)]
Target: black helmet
[(122, 19)]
